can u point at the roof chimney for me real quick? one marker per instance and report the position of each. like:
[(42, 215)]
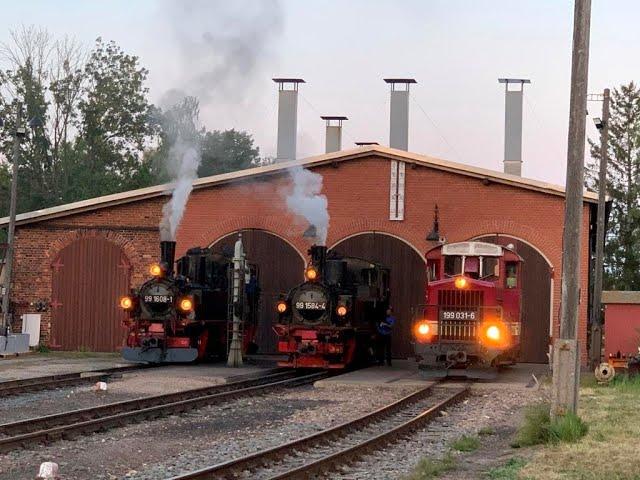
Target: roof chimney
[(513, 125), (399, 126), (287, 117), (333, 141)]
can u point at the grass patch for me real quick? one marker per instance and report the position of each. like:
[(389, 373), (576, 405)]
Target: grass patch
[(466, 444), (539, 429), (42, 348), (485, 431), (428, 468), (508, 471)]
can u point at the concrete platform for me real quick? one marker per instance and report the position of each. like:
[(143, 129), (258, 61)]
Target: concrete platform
[(405, 373), (37, 365)]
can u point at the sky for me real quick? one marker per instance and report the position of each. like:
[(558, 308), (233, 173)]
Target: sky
[(226, 52)]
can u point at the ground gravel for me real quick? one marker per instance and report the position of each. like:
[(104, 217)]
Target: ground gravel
[(168, 446)]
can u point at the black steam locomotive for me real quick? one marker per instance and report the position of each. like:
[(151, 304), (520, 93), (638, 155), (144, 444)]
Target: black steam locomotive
[(185, 315), (329, 320)]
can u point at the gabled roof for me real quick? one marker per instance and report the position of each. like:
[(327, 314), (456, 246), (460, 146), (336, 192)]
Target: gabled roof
[(280, 167)]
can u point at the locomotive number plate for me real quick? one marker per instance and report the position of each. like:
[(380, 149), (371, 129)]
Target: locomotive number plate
[(311, 305), (158, 299), (458, 315)]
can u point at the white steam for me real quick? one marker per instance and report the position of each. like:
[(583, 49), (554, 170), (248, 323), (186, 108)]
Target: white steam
[(182, 164), (307, 201)]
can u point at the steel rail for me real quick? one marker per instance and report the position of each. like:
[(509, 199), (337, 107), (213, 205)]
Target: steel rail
[(89, 420), (48, 382), (234, 468)]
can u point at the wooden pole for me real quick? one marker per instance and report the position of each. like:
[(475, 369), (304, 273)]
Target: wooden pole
[(596, 311), (8, 266), (566, 357)]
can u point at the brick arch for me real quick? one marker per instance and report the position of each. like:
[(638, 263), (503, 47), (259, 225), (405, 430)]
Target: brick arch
[(63, 241), (525, 233), (269, 232), (532, 245), (380, 232), (280, 226)]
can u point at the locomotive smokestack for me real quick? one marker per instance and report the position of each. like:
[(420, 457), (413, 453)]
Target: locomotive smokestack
[(287, 118), (333, 142), (513, 125), (168, 254), (318, 255), (399, 112)]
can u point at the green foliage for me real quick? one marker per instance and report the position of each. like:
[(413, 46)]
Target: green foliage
[(484, 431), (508, 471), (466, 443), (539, 429), (42, 348), (626, 384), (622, 257), (427, 468), (227, 151)]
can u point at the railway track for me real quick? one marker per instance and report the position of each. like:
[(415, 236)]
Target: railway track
[(70, 424), (28, 385), (322, 452)]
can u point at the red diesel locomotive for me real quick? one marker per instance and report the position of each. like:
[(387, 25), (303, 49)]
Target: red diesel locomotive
[(329, 320), (470, 324)]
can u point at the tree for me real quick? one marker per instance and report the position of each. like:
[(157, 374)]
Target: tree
[(622, 256), (227, 151)]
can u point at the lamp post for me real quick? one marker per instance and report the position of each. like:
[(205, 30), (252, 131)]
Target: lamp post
[(19, 133)]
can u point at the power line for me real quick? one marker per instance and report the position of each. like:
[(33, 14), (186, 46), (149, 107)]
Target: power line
[(455, 152)]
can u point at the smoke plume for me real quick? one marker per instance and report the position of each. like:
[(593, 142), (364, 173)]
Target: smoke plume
[(307, 201), (182, 164), (223, 45)]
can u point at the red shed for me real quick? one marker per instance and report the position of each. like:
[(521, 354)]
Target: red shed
[(621, 322)]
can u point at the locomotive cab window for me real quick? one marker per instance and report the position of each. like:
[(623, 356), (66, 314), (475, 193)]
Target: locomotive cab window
[(511, 275), (452, 265), (433, 270), (490, 268)]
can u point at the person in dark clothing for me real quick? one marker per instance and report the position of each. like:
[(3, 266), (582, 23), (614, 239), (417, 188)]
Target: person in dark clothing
[(384, 337)]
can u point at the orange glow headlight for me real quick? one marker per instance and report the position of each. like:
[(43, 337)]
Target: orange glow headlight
[(341, 310), (281, 307), (424, 331), (496, 334), (460, 282), (186, 304), (126, 303), (311, 274), (155, 270), (493, 333)]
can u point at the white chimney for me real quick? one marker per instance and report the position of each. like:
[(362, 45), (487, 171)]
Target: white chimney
[(333, 142), (287, 117), (513, 125), (399, 112)]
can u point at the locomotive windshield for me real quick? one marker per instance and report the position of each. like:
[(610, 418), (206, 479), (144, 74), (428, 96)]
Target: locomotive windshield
[(484, 268)]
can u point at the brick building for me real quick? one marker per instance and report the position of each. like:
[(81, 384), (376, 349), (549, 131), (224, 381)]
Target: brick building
[(80, 257)]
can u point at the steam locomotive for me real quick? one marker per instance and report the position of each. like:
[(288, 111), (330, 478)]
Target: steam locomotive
[(471, 322), (329, 320), (183, 316)]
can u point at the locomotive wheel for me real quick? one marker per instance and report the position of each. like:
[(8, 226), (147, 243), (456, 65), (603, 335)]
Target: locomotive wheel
[(605, 373)]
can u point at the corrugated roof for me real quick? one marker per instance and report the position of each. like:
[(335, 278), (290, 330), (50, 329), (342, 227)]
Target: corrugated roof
[(614, 296), (344, 155)]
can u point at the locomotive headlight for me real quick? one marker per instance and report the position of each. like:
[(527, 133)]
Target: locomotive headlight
[(341, 310), (460, 282), (281, 307), (311, 274), (126, 303), (493, 333), (155, 270), (186, 304), (423, 329)]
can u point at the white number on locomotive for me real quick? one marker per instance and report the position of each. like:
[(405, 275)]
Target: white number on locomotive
[(311, 305), (158, 299), (458, 315)]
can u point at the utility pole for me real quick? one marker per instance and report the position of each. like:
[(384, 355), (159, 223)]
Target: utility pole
[(18, 133), (235, 350), (596, 307), (566, 357)]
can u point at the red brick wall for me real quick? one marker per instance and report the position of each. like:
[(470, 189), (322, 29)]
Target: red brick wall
[(134, 227), (358, 192)]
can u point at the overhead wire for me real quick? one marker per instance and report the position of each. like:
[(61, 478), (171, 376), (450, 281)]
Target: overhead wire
[(437, 129)]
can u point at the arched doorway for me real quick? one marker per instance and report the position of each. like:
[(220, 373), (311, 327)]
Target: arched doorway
[(408, 278), (88, 277), (536, 298), (280, 268)]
